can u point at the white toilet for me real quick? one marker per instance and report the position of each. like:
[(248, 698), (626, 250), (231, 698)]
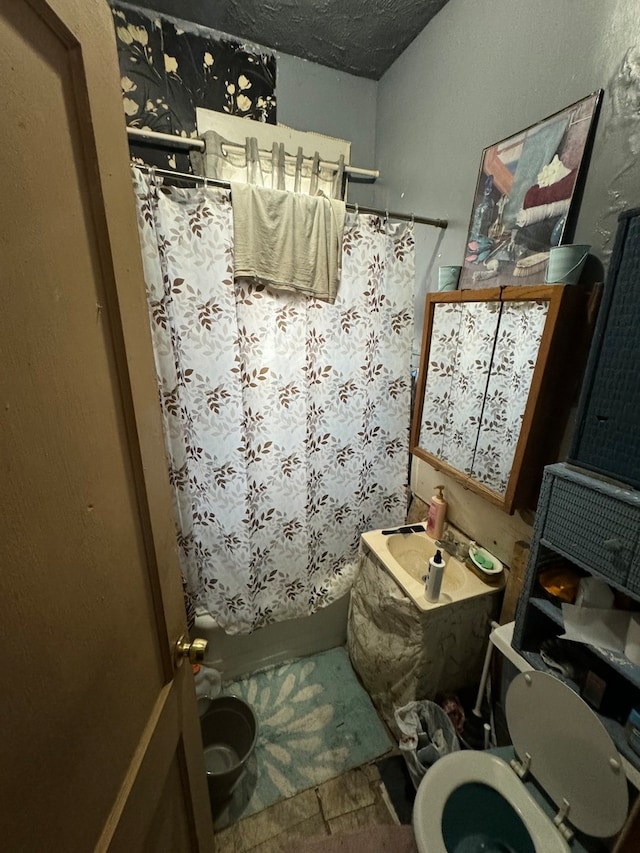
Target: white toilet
[(474, 801)]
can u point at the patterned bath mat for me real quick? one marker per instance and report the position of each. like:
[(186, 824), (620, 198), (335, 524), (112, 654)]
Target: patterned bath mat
[(315, 721)]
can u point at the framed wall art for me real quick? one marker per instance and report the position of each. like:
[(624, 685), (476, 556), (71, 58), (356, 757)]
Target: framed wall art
[(526, 198)]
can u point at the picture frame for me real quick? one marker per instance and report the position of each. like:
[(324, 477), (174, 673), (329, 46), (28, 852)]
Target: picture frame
[(526, 198)]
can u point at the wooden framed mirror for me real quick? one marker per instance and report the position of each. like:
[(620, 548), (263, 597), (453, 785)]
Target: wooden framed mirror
[(494, 386)]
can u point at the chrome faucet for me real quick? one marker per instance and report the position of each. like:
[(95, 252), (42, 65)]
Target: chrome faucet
[(451, 546)]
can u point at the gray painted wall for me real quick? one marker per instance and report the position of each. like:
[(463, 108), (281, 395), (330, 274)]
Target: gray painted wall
[(480, 72), (313, 97)]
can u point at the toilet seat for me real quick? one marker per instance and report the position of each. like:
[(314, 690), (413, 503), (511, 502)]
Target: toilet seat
[(571, 753), (459, 768), (565, 747)]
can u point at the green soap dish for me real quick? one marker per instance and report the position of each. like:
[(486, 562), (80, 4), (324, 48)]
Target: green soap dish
[(484, 561)]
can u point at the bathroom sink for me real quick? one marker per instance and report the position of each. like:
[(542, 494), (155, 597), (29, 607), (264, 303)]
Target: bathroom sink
[(405, 556), (413, 552)]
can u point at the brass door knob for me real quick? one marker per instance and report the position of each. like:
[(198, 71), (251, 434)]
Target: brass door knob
[(193, 650)]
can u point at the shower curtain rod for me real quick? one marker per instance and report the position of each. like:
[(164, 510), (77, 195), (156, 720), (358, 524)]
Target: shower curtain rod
[(403, 217), (171, 141)]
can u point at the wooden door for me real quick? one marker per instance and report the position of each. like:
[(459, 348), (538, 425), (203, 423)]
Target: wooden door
[(99, 738)]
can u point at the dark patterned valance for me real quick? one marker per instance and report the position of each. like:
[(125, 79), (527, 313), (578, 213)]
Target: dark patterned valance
[(170, 67)]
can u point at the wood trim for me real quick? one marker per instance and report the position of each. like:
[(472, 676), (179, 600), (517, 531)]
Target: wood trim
[(130, 821), (559, 386), (487, 294), (144, 769), (421, 378), (531, 292), (460, 477)]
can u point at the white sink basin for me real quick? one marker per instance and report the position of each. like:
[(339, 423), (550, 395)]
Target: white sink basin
[(413, 552), (405, 556)]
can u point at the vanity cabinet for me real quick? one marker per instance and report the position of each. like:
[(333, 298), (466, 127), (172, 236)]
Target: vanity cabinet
[(592, 526), (498, 370), (402, 652)]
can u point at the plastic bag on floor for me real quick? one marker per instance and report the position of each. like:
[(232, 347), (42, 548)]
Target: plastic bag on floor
[(208, 682), (427, 734)]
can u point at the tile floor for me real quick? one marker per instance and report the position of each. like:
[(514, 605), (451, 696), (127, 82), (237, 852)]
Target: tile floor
[(353, 800)]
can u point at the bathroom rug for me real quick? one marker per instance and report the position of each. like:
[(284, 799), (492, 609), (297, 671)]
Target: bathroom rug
[(315, 722)]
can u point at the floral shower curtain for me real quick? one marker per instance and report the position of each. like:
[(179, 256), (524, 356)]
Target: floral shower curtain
[(286, 419)]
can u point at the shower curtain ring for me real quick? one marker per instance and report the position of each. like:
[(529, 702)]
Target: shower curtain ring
[(357, 210)]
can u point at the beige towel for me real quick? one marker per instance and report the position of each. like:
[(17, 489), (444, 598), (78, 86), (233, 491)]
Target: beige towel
[(288, 241)]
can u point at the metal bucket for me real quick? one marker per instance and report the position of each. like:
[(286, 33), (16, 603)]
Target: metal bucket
[(229, 734), (448, 278), (566, 263)]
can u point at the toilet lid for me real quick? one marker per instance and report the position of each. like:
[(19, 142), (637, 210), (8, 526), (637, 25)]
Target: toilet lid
[(572, 756)]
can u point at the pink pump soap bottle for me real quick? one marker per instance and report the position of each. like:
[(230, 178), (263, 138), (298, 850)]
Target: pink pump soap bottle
[(437, 514)]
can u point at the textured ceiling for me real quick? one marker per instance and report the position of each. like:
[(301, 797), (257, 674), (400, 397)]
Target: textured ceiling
[(361, 37)]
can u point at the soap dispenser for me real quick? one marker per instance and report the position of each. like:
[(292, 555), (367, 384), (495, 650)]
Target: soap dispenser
[(437, 514), (434, 578)]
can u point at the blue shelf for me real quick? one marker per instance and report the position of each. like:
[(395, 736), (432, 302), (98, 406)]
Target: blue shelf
[(570, 503), (562, 552), (616, 660)]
